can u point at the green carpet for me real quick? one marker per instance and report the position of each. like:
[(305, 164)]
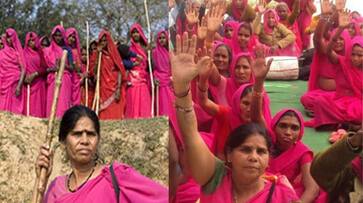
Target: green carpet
[(286, 94)]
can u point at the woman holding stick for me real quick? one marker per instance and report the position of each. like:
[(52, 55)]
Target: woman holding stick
[(111, 79), (89, 181)]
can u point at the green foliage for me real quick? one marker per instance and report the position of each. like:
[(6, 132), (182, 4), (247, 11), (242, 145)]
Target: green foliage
[(117, 16)]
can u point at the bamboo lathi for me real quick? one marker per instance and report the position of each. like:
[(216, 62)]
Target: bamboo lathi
[(41, 182), (96, 99), (87, 65)]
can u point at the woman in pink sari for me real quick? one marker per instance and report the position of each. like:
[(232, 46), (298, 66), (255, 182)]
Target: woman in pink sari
[(53, 55), (322, 70), (346, 105), (247, 148), (74, 43), (138, 98), (35, 70), (89, 180), (12, 74), (280, 40), (240, 11), (162, 73)]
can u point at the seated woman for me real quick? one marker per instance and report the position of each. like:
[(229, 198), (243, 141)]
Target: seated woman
[(247, 148), (280, 40), (346, 105), (322, 70), (290, 156), (338, 169), (243, 39), (90, 181)]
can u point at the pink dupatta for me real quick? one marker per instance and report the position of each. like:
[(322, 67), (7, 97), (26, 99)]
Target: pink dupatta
[(236, 12)]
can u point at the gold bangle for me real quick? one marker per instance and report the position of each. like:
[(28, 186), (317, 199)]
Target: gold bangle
[(183, 109), (183, 94), (257, 94)]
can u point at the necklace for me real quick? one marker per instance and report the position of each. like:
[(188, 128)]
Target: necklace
[(69, 180)]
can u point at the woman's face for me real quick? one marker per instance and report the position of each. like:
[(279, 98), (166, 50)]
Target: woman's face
[(250, 160), (44, 43), (351, 30), (103, 41), (287, 132), (71, 39), (245, 106), (338, 44), (271, 22), (135, 35), (221, 58), (57, 36), (282, 11), (242, 71), (228, 32), (9, 40), (162, 40), (93, 46), (81, 143), (84, 55), (243, 37), (357, 56), (31, 43)]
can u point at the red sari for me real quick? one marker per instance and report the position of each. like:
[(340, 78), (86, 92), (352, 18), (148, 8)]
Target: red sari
[(111, 67)]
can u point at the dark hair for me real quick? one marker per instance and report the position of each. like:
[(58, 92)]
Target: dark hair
[(246, 91), (46, 40), (246, 26), (289, 113), (244, 131), (123, 50), (71, 117)]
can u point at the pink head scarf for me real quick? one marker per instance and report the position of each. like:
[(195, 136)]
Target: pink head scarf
[(10, 32), (277, 118), (73, 31), (267, 28), (161, 58), (54, 51), (235, 116), (236, 12), (217, 44), (31, 54), (234, 44), (353, 74), (232, 24), (318, 62), (143, 38)]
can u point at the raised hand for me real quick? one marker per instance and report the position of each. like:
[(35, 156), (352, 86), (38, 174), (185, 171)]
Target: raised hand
[(326, 6), (215, 16), (202, 29), (344, 18), (259, 66), (340, 4), (183, 67), (191, 14), (204, 66), (203, 52)]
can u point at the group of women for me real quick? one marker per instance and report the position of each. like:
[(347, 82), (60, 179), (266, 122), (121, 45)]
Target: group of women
[(227, 145), (27, 73)]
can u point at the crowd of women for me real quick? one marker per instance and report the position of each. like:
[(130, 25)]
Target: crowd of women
[(27, 73), (227, 147)]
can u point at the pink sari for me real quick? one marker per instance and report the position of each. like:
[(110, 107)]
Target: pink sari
[(292, 49), (346, 106), (321, 67), (134, 187), (34, 60), (236, 12), (234, 44), (11, 60), (162, 72), (223, 193), (231, 24), (76, 53), (138, 98), (51, 55)]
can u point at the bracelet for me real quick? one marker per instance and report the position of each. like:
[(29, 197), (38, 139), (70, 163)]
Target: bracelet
[(183, 94), (183, 109), (201, 90), (350, 146), (257, 94)]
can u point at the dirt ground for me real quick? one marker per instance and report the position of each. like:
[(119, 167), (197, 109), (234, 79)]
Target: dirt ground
[(139, 143)]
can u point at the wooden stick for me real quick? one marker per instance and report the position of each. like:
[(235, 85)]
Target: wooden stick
[(96, 102), (157, 99), (28, 100), (87, 66), (41, 182), (149, 60)]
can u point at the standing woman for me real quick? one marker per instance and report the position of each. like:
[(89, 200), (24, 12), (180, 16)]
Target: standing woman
[(162, 73), (35, 72), (138, 96), (89, 180), (112, 78), (12, 74), (74, 43), (53, 55)]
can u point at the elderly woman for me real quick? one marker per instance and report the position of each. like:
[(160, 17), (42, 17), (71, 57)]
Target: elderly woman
[(241, 178), (89, 181)]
